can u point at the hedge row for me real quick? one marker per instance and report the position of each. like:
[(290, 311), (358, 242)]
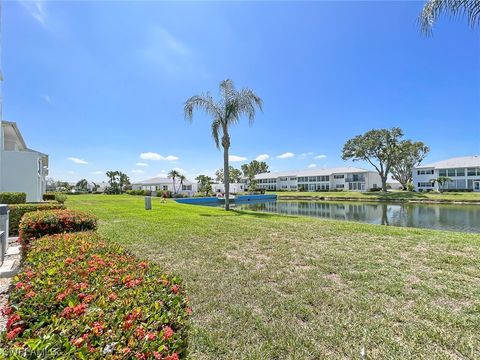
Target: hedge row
[(49, 196), (81, 297), (160, 193), (18, 210), (13, 198), (40, 223)]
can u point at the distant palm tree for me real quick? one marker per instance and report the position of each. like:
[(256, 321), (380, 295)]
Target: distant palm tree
[(434, 8), (182, 178), (225, 112), (173, 174)]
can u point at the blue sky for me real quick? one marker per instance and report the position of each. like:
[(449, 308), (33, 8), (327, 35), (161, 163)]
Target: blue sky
[(97, 84)]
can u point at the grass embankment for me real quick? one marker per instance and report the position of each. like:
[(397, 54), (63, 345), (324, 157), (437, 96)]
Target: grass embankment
[(275, 287), (380, 196)]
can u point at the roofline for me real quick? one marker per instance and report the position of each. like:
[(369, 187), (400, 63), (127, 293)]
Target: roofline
[(17, 131)]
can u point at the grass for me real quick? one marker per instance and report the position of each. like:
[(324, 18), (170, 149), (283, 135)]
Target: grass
[(391, 195), (265, 286)]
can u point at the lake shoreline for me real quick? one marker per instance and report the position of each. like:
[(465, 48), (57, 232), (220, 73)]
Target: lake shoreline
[(334, 198)]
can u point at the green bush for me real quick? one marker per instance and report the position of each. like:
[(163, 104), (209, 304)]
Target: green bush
[(60, 198), (13, 198), (136, 192), (40, 223), (18, 210), (81, 297), (49, 196), (168, 192)]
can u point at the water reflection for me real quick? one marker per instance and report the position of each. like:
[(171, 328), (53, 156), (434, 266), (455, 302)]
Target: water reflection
[(433, 216)]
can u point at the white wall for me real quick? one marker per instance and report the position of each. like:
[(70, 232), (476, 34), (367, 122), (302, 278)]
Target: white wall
[(20, 174)]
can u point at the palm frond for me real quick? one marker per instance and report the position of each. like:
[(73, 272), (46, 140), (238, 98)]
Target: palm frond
[(433, 9), (216, 127), (247, 101), (204, 102)]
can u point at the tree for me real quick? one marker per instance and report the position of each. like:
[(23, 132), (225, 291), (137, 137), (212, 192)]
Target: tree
[(235, 175), (182, 178), (117, 180), (378, 147), (173, 174), (82, 185), (254, 168), (410, 154), (225, 112), (434, 8), (123, 180), (441, 181), (204, 183)]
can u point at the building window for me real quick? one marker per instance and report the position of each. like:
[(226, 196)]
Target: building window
[(339, 177), (425, 172), (186, 187), (425, 184), (450, 172), (165, 187), (473, 171), (339, 186), (460, 172), (442, 172)]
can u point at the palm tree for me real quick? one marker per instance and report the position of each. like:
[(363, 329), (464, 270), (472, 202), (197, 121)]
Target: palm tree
[(434, 8), (441, 181), (173, 174), (182, 178), (225, 112)]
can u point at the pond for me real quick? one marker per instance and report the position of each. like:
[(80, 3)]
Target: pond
[(464, 218)]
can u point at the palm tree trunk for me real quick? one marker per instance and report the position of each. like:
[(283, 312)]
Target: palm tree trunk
[(226, 170)]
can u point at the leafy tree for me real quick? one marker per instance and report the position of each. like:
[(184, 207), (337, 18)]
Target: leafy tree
[(117, 180), (378, 147), (174, 174), (182, 179), (410, 154), (204, 183), (434, 8), (441, 181), (225, 112), (254, 168), (82, 185), (235, 175)]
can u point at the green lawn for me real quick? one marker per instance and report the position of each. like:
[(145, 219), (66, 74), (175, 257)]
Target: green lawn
[(275, 287), (391, 195)]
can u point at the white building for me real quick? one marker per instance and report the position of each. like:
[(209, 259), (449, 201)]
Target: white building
[(165, 184), (342, 178), (22, 169), (234, 187), (464, 173)]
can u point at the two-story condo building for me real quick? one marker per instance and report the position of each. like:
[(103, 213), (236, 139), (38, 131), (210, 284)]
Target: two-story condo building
[(464, 173), (21, 169), (342, 178)]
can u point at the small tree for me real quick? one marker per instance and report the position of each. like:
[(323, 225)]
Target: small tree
[(250, 170), (235, 175), (410, 154), (441, 181), (82, 185), (204, 184), (378, 147), (182, 179)]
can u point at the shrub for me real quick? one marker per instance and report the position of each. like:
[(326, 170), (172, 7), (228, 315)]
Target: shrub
[(13, 198), (40, 223), (375, 189), (80, 297), (168, 192), (49, 196), (18, 210), (60, 198), (136, 192)]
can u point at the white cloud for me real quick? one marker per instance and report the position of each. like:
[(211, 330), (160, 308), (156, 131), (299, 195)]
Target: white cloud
[(312, 165), (98, 172), (36, 9), (235, 158), (47, 98), (77, 160), (320, 157), (71, 172), (137, 171), (141, 164), (286, 155), (262, 157), (305, 154), (180, 170), (156, 156)]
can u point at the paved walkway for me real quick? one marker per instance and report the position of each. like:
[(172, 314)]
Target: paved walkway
[(7, 272)]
